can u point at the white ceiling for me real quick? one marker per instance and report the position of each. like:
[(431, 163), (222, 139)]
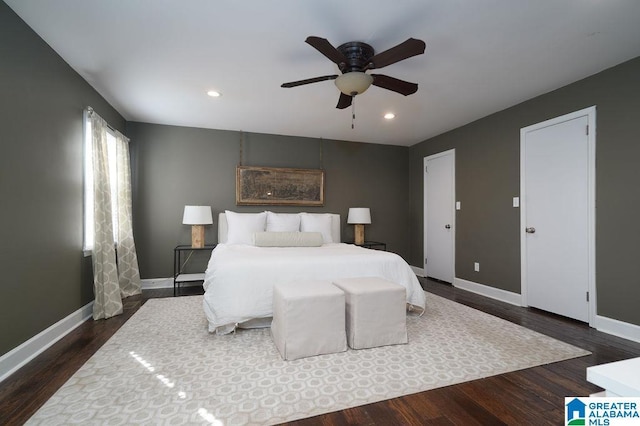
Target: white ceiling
[(154, 60)]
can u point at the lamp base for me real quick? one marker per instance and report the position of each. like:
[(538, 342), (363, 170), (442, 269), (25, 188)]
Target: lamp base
[(197, 236), (359, 234)]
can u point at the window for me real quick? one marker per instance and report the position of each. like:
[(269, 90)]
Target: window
[(88, 184)]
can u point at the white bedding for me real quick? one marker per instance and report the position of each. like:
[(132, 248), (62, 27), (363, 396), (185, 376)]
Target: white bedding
[(239, 278)]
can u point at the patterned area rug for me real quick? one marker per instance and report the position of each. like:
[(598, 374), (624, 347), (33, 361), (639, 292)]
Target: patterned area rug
[(163, 367)]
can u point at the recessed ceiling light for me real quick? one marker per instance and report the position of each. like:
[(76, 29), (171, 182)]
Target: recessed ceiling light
[(214, 93), (389, 116)]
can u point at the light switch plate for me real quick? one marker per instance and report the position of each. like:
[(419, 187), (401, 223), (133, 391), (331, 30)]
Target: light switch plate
[(516, 201), (476, 266), (457, 205)]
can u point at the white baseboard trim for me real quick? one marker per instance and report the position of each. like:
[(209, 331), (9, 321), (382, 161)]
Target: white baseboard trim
[(618, 328), (153, 283), (492, 292), (21, 355), (607, 325), (418, 271)]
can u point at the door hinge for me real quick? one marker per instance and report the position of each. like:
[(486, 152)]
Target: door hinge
[(587, 296), (425, 169), (425, 260), (587, 129)]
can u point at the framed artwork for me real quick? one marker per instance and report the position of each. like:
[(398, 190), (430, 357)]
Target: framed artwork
[(262, 186)]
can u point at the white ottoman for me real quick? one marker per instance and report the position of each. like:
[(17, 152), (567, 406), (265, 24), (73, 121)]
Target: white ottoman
[(308, 319), (376, 312)]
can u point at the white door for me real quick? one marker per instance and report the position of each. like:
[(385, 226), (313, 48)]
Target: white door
[(439, 215), (557, 200)]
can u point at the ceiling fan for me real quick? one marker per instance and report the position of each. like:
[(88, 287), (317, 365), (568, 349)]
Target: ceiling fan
[(354, 59)]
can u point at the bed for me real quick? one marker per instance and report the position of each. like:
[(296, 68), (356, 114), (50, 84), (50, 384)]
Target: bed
[(240, 274)]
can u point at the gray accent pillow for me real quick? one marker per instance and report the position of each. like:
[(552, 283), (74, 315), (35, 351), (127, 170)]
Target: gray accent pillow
[(287, 239)]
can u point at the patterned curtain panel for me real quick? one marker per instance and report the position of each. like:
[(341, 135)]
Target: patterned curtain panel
[(128, 272), (105, 274)]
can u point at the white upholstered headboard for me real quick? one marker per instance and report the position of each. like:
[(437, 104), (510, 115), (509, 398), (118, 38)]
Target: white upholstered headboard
[(223, 227)]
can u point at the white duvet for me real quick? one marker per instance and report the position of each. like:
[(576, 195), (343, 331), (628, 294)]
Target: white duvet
[(239, 278)]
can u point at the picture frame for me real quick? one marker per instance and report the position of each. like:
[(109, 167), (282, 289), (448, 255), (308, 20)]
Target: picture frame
[(275, 186)]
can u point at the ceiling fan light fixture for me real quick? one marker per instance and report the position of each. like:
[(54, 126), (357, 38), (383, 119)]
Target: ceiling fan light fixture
[(353, 83)]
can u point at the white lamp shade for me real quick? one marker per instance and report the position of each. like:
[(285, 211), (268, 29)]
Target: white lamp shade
[(359, 215), (197, 215)]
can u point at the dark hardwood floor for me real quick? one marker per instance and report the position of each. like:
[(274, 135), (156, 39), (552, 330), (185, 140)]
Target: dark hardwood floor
[(531, 396)]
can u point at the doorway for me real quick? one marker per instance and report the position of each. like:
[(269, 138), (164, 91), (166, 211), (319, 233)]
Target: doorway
[(439, 216), (557, 216)]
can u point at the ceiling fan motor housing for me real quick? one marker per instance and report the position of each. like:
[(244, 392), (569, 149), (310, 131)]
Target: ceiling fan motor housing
[(358, 55)]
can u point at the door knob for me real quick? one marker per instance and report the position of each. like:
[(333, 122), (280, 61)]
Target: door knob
[(530, 230), (448, 226)]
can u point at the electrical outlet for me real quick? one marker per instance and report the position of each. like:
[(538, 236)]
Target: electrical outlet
[(476, 266)]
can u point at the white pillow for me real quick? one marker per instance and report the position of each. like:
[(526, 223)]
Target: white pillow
[(317, 222), (242, 226), (287, 239), (283, 222)]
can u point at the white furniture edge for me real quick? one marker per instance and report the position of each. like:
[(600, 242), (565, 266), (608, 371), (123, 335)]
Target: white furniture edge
[(618, 379), (223, 227), (21, 355)]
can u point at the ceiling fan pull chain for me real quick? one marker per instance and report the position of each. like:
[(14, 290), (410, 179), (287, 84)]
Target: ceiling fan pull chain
[(353, 112)]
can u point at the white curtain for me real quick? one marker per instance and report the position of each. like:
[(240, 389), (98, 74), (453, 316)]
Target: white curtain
[(111, 279), (128, 272)]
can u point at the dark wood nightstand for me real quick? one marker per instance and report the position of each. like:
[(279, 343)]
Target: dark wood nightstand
[(376, 245)]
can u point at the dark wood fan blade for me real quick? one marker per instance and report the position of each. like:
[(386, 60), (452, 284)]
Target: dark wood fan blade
[(309, 81), (323, 46), (394, 84), (344, 101), (410, 47)]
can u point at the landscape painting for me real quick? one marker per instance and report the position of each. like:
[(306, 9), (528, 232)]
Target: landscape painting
[(279, 186)]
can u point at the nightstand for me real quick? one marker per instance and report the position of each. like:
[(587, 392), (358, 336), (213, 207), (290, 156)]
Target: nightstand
[(376, 245), (178, 265)]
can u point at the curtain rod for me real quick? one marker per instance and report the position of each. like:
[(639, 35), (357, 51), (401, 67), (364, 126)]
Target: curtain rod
[(109, 126)]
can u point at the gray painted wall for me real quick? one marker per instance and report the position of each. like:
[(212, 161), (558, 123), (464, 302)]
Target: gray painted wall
[(488, 176), (177, 166), (44, 274)]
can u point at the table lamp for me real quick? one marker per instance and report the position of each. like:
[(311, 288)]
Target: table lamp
[(359, 216), (197, 217)]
